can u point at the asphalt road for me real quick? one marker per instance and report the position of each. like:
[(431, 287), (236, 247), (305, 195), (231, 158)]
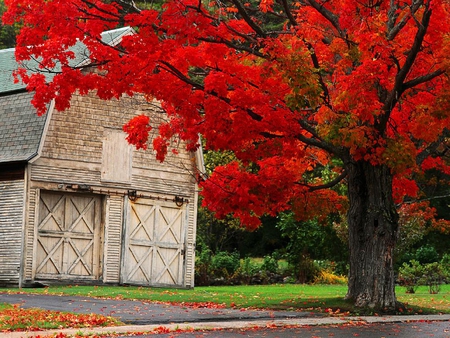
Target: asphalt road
[(376, 330), (144, 313)]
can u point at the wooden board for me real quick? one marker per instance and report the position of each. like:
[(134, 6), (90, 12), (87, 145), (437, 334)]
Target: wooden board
[(68, 236), (154, 246)]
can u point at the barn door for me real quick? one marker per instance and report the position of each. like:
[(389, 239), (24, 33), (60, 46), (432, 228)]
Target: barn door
[(154, 244), (68, 236)]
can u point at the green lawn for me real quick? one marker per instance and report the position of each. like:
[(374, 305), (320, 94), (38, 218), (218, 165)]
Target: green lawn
[(285, 296)]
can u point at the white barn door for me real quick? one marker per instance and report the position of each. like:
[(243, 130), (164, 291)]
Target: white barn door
[(68, 236), (154, 244)]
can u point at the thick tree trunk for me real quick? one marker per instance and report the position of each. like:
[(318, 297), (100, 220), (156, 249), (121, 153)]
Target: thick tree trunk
[(373, 230)]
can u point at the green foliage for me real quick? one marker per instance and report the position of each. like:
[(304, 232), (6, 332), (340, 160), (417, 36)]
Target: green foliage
[(412, 230), (246, 271), (433, 275), (409, 275), (215, 268), (224, 268), (217, 234), (424, 254), (427, 254), (309, 241), (225, 264), (270, 264), (7, 33), (445, 263), (203, 268)]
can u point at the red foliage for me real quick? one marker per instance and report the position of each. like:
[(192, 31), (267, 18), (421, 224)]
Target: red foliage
[(137, 130), (337, 79)]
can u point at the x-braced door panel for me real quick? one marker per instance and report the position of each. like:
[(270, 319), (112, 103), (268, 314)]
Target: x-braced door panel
[(154, 244), (68, 236)]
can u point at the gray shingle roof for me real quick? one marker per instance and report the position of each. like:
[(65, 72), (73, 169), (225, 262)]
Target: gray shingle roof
[(20, 128)]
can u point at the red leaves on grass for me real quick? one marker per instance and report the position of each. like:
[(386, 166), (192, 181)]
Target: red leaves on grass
[(20, 319)]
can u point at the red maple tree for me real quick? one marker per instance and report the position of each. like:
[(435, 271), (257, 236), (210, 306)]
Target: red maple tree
[(358, 87)]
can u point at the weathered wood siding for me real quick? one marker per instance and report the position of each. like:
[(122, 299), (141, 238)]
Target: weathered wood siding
[(83, 147), (113, 237), (30, 233), (11, 226), (74, 147)]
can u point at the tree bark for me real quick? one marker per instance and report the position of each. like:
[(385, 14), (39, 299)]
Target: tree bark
[(373, 232)]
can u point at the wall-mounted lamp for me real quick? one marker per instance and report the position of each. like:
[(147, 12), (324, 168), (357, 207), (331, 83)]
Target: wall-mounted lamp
[(179, 201), (132, 195)]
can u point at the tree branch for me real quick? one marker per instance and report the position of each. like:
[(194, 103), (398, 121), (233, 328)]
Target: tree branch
[(327, 14), (422, 79), (288, 12), (101, 10), (394, 29), (328, 185), (130, 6), (198, 86), (242, 11), (432, 147), (234, 46), (399, 88)]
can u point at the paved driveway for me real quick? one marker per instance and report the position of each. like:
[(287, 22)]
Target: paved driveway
[(144, 313)]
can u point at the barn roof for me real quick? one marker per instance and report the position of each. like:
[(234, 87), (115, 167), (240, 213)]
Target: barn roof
[(21, 129)]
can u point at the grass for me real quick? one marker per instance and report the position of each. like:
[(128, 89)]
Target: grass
[(276, 297)]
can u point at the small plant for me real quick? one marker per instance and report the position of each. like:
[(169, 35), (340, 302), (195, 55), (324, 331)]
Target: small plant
[(225, 264), (409, 275), (270, 264), (413, 274), (246, 271), (433, 277), (328, 277), (203, 267), (445, 264)]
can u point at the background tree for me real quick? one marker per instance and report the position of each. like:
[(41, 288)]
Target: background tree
[(7, 33), (347, 85)]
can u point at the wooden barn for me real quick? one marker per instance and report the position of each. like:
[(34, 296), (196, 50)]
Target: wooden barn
[(78, 204)]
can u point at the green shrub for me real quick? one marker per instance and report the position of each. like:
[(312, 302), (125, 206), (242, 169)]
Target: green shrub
[(247, 269), (433, 276), (304, 269), (203, 267), (270, 264), (224, 264), (413, 274), (426, 254), (409, 275), (445, 264)]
